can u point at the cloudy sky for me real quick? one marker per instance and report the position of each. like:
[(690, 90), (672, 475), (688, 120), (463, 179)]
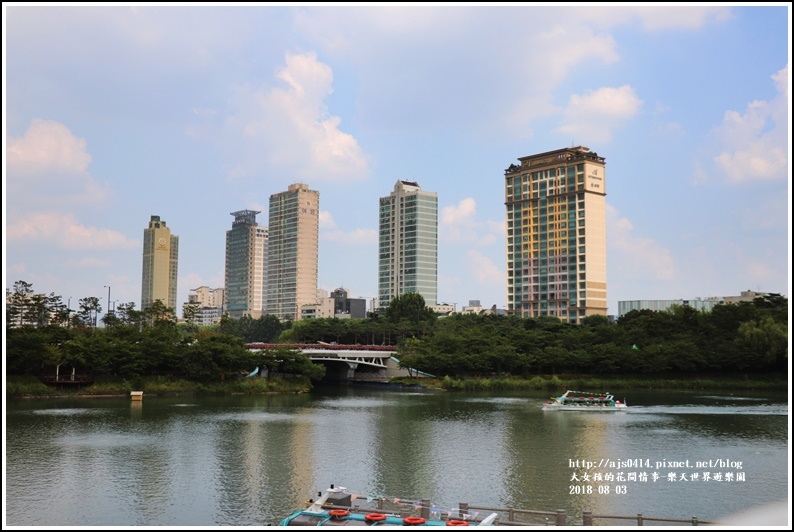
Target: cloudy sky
[(116, 113)]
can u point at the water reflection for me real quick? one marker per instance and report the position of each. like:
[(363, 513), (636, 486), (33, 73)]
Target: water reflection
[(242, 461)]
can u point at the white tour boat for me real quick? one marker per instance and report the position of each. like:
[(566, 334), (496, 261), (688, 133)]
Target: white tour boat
[(573, 400)]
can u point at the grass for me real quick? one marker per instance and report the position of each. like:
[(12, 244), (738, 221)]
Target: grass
[(776, 382), (21, 386), (30, 386)]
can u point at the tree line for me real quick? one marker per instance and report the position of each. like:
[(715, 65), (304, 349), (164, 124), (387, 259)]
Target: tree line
[(741, 337), (42, 335)]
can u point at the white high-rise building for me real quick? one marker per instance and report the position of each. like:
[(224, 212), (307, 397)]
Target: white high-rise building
[(408, 244)]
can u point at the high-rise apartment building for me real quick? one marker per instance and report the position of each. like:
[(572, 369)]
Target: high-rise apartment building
[(160, 261), (292, 251), (246, 266), (556, 235), (408, 244)]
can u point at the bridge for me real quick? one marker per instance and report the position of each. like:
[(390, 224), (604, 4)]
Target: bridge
[(348, 362)]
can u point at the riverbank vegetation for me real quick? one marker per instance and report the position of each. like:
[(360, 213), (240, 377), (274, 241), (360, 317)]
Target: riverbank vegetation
[(29, 386), (740, 343)]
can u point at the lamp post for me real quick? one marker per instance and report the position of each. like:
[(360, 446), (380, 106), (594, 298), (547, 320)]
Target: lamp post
[(107, 312)]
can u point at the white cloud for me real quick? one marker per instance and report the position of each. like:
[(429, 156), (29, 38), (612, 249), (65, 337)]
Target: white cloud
[(636, 256), (755, 143), (458, 223), (47, 146), (483, 269), (356, 237), (327, 221), (288, 129), (62, 230), (591, 118), (329, 231), (49, 165), (655, 18)]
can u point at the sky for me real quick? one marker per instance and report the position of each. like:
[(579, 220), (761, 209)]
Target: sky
[(116, 113)]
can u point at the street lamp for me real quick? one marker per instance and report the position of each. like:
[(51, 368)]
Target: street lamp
[(107, 311)]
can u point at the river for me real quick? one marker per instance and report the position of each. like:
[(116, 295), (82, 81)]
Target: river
[(251, 460)]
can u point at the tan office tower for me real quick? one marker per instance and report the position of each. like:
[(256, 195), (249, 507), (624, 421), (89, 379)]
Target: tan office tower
[(160, 261), (246, 264), (293, 224), (556, 235)]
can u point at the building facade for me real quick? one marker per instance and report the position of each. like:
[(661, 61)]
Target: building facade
[(700, 304), (337, 305), (160, 264), (556, 235), (246, 266), (408, 244), (292, 251), (207, 305), (348, 307)]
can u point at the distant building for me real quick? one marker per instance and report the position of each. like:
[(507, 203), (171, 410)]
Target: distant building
[(348, 307), (443, 309), (337, 305), (292, 251), (701, 305), (408, 244), (556, 235), (473, 307), (160, 262), (246, 266), (324, 308), (209, 304)]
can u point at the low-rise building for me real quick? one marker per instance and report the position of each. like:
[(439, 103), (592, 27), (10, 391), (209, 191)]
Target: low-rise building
[(700, 304)]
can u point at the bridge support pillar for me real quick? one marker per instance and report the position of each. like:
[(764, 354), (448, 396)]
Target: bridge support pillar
[(351, 372)]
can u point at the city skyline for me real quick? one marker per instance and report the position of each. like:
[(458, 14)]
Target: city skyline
[(117, 113)]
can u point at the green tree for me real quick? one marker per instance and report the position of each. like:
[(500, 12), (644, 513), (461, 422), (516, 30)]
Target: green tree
[(17, 303), (765, 342)]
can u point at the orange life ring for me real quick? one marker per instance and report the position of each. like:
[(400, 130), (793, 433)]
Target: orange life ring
[(338, 513), (375, 517), (414, 520), (457, 522)]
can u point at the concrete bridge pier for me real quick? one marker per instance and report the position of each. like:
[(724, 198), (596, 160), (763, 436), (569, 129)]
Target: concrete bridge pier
[(351, 372)]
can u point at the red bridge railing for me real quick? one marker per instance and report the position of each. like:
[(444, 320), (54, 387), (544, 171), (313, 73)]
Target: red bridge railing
[(334, 347)]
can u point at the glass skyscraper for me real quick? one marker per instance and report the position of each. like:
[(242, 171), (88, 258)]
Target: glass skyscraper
[(556, 235), (246, 266), (408, 244)]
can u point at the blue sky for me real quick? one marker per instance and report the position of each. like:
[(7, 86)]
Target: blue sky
[(116, 113)]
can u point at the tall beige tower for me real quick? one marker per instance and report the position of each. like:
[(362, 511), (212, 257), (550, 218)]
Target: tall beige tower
[(160, 261), (293, 224), (556, 235)]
